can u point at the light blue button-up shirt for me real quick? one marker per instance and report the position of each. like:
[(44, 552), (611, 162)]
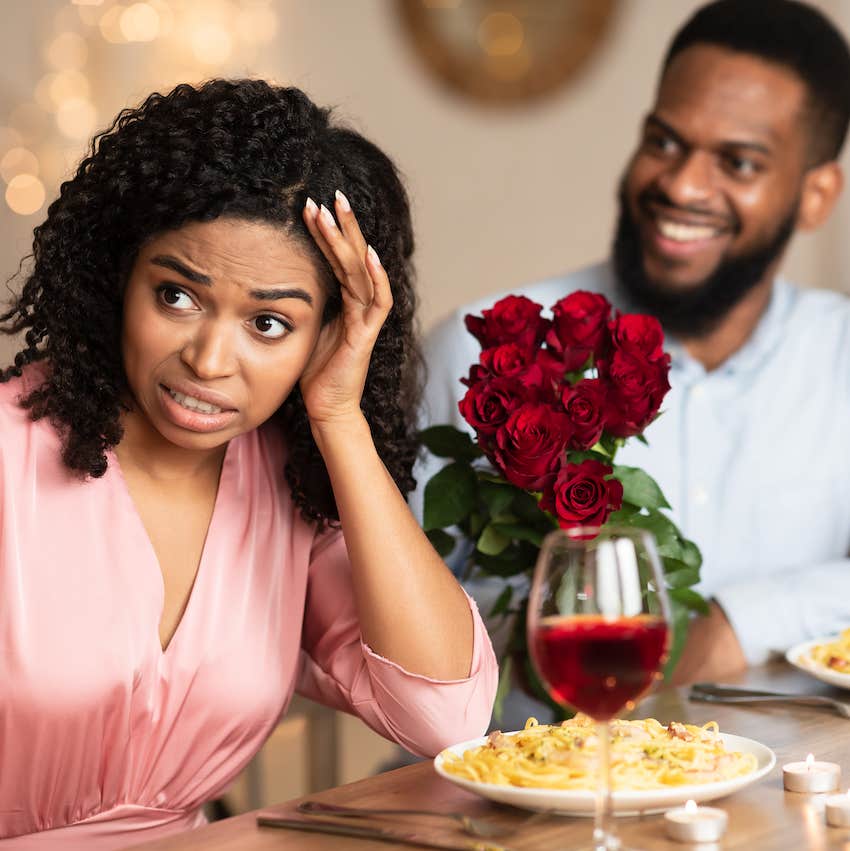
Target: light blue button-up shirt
[(754, 457)]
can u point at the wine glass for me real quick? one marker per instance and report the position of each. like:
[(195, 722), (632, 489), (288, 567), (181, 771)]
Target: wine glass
[(598, 632)]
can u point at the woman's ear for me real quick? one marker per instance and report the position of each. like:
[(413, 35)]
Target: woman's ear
[(822, 186)]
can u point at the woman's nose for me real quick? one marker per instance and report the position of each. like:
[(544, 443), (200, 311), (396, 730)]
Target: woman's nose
[(210, 352)]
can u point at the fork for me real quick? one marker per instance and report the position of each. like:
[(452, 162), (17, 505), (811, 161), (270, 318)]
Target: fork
[(720, 693), (472, 826)]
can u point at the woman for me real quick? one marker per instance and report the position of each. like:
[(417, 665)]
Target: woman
[(205, 440)]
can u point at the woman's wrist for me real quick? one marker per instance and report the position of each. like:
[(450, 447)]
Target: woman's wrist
[(340, 431)]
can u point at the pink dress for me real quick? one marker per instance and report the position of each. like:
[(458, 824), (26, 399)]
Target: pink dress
[(107, 741)]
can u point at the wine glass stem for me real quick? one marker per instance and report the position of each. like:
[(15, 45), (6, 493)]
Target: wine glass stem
[(604, 834)]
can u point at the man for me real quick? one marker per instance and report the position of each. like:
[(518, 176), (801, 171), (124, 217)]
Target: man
[(737, 153)]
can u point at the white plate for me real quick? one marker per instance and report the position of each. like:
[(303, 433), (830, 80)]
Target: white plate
[(581, 803), (799, 656)]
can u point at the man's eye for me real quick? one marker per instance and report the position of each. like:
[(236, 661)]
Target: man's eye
[(271, 327), (663, 144), (742, 166), (174, 297)]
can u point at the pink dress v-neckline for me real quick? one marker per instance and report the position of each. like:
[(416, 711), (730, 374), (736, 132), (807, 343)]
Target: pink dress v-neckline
[(143, 541)]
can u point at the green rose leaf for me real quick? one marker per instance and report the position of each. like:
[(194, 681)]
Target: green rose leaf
[(639, 488), (520, 532), (682, 578), (450, 495), (680, 619), (689, 598), (491, 541), (502, 601), (519, 557), (503, 688), (445, 441), (691, 555), (497, 497)]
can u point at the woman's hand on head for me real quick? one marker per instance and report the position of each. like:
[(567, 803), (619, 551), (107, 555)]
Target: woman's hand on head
[(332, 384)]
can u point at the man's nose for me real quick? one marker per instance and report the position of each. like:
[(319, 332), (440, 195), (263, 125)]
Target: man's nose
[(210, 351), (690, 180)]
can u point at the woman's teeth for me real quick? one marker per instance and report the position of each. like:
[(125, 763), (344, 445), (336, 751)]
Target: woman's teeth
[(194, 404), (684, 233)]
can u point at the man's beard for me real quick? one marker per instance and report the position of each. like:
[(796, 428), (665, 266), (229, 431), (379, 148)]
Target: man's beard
[(697, 310)]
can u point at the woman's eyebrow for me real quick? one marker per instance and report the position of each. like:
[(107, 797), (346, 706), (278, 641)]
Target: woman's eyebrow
[(175, 265), (270, 294), (280, 293)]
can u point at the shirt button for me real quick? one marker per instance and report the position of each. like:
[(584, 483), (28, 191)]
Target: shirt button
[(699, 495), (698, 392)]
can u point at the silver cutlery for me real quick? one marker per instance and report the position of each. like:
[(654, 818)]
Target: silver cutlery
[(397, 837), (720, 693), (473, 826)]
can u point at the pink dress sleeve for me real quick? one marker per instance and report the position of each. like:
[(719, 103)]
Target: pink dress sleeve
[(338, 669)]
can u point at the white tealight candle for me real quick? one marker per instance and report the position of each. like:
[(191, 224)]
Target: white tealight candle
[(695, 824), (811, 776), (838, 810)]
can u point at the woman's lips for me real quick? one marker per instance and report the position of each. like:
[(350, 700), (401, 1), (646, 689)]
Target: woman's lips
[(194, 413)]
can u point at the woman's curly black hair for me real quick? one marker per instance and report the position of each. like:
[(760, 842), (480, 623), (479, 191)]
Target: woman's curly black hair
[(238, 148)]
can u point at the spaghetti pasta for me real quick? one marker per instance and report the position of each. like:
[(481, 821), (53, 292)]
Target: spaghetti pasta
[(833, 654), (644, 755)]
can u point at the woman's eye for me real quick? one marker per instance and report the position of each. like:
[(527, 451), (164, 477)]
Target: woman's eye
[(174, 297), (270, 326)]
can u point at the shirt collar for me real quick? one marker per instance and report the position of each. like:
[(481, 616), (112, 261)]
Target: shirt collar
[(767, 335)]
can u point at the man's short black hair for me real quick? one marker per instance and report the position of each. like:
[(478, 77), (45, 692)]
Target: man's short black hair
[(791, 34)]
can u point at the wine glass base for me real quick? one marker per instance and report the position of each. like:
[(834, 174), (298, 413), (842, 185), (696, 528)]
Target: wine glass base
[(608, 842)]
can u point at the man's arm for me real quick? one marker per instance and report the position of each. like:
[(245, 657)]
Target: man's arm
[(749, 621)]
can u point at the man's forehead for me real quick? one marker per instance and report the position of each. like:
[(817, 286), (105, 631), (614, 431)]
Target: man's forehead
[(727, 92)]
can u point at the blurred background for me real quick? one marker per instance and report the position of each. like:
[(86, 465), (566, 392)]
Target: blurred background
[(512, 121)]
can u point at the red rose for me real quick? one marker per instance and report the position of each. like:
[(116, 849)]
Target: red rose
[(513, 361), (488, 404), (638, 333), (513, 319), (584, 404), (529, 445), (637, 389), (583, 495), (579, 328)]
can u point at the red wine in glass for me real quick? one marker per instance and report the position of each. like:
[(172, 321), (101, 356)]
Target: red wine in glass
[(599, 665)]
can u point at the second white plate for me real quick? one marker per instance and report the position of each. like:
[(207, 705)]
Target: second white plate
[(800, 657), (576, 802)]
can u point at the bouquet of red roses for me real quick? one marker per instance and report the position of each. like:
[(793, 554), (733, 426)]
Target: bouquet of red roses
[(551, 400)]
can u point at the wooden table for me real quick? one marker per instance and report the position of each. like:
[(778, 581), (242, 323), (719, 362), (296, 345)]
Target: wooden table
[(762, 817)]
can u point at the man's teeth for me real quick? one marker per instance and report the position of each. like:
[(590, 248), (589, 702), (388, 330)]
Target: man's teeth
[(194, 404), (684, 233)]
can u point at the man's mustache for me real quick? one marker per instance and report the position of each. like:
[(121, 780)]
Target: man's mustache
[(655, 200)]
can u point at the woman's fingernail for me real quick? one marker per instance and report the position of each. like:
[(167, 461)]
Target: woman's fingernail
[(343, 202), (328, 219), (374, 255), (310, 206)]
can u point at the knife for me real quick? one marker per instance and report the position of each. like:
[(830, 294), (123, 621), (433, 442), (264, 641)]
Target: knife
[(317, 825)]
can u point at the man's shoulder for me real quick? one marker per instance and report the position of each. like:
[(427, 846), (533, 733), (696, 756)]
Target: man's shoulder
[(820, 312)]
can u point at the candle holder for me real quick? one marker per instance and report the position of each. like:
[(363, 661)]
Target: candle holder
[(838, 810), (695, 824), (811, 776)]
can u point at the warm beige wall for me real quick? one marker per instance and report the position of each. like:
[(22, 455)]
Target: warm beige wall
[(499, 197)]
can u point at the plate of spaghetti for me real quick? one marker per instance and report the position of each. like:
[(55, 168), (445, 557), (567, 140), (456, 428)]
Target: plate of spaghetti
[(653, 766), (828, 659)]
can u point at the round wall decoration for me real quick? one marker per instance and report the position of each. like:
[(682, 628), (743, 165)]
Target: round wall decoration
[(505, 51)]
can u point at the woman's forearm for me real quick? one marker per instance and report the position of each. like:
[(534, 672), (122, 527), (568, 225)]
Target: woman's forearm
[(411, 609)]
